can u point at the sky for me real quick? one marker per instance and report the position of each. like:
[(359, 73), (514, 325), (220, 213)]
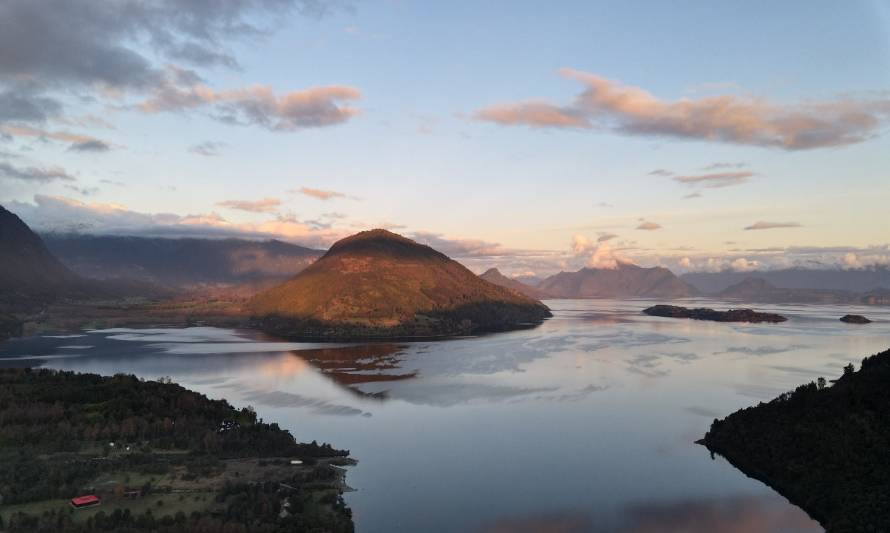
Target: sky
[(532, 137)]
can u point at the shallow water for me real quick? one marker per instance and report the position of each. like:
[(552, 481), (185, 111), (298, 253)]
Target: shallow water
[(586, 423)]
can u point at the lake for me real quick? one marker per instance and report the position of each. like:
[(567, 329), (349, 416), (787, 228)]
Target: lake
[(585, 423)]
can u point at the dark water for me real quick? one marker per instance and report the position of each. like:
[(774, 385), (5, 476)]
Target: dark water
[(586, 423)]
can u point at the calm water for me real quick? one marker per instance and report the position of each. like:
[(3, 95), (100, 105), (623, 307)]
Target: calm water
[(586, 423)]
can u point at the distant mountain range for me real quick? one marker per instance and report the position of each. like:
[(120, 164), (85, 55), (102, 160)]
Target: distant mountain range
[(760, 290), (377, 284), (180, 262), (625, 281), (854, 280)]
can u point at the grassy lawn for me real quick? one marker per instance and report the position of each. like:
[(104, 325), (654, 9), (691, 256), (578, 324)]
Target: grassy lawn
[(170, 505)]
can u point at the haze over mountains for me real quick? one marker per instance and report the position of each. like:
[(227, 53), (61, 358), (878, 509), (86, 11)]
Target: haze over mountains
[(27, 268), (180, 262), (856, 280), (379, 284)]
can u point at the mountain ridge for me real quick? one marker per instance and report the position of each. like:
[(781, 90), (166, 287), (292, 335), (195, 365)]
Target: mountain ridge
[(627, 280), (493, 275)]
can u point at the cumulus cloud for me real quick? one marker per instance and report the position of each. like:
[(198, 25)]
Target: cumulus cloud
[(320, 194), (772, 225), (34, 174), (597, 255), (60, 214), (629, 110), (266, 205), (744, 265), (103, 50), (715, 180), (92, 42), (207, 148), (649, 226)]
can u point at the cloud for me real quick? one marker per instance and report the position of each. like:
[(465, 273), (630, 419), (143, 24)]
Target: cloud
[(692, 195), (266, 205), (533, 114), (629, 110), (606, 237), (320, 194), (95, 42), (60, 214), (106, 51), (19, 103), (744, 265), (83, 191), (715, 180), (77, 140), (772, 225), (92, 145), (207, 148), (718, 166), (649, 226), (661, 172), (314, 107), (34, 174), (598, 255)]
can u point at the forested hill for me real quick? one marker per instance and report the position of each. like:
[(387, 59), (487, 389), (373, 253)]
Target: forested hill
[(822, 446), (197, 464)]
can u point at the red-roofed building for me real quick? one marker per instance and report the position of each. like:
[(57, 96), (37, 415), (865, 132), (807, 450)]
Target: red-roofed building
[(85, 501)]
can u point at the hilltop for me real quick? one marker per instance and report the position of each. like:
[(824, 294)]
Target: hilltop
[(378, 284)]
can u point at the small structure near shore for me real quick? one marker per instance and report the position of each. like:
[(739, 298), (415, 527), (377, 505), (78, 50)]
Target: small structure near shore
[(82, 502)]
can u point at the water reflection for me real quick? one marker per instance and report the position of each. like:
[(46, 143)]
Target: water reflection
[(585, 423), (743, 514)]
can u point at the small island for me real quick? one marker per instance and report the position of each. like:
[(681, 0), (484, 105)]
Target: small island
[(84, 453), (822, 446), (855, 319), (703, 313)]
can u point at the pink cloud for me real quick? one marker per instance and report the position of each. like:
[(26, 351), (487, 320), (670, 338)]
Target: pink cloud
[(266, 205), (320, 194), (772, 225), (631, 110), (649, 226), (308, 108)]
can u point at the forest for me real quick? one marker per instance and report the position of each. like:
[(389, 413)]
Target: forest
[(823, 446), (193, 464)]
